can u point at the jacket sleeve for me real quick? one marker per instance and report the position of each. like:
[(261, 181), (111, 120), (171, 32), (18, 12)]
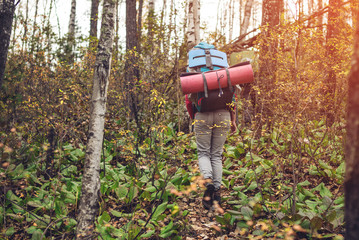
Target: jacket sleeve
[(189, 107)]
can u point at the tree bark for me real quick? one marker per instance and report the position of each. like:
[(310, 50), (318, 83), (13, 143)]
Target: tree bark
[(334, 24), (93, 22), (193, 32), (246, 17), (88, 209), (271, 10), (351, 184), (71, 32), (132, 72), (7, 9)]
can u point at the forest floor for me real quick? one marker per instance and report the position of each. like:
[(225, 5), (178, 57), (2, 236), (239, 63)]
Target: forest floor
[(265, 194)]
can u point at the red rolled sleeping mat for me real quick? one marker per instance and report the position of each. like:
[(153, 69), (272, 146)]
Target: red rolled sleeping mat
[(195, 82)]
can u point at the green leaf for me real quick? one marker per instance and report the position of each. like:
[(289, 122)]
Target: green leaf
[(121, 192), (252, 186), (234, 213), (316, 223), (167, 228), (133, 192), (105, 217), (167, 234), (35, 204), (324, 165), (247, 212), (10, 231), (227, 172), (323, 191), (148, 234), (37, 235), (116, 213), (159, 210), (304, 184)]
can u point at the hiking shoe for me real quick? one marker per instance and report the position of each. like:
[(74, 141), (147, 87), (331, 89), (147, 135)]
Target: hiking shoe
[(217, 196), (207, 200)]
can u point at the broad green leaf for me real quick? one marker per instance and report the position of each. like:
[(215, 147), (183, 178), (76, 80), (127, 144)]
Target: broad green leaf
[(121, 192), (37, 235), (316, 222), (247, 212), (252, 186), (233, 212), (147, 234), (159, 210), (105, 217), (324, 165), (35, 204), (116, 213), (167, 228), (304, 184), (10, 231), (167, 234)]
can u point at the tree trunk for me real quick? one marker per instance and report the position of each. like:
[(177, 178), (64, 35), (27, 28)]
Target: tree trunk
[(132, 73), (71, 32), (151, 21), (7, 9), (246, 17), (351, 184), (88, 209), (320, 18), (193, 32), (33, 37), (230, 19), (24, 41), (139, 26), (333, 31), (93, 22), (267, 62)]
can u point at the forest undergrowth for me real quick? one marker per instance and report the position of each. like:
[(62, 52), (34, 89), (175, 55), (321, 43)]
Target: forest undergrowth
[(280, 186)]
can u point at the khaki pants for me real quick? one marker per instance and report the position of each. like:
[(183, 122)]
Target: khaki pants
[(211, 130)]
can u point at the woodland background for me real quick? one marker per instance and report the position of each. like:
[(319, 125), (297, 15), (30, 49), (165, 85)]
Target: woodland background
[(283, 169)]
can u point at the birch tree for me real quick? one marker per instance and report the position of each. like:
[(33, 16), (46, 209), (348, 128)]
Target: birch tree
[(71, 32), (193, 31), (89, 206), (246, 17), (351, 184), (7, 9)]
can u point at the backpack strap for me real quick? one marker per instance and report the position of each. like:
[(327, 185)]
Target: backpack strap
[(208, 59), (205, 85), (229, 81)]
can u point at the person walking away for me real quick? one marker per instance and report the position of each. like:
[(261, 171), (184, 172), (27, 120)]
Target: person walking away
[(214, 115)]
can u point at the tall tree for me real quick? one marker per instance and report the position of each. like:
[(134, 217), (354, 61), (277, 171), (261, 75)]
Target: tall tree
[(93, 21), (132, 72), (193, 31), (351, 183), (71, 32), (7, 10), (89, 206), (271, 10), (246, 17), (333, 31)]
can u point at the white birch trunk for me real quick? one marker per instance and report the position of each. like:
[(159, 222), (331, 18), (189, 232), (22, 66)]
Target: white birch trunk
[(247, 16), (193, 32), (72, 21), (231, 17), (88, 209)]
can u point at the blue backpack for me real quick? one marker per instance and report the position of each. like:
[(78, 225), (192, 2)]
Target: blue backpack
[(202, 58)]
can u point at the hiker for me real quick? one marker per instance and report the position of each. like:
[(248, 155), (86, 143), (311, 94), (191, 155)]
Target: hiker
[(213, 112)]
